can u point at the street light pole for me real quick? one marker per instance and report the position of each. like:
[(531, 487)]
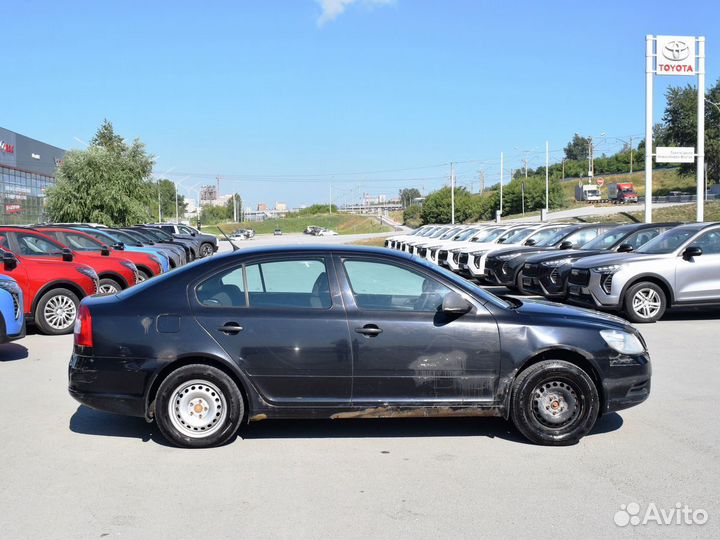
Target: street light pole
[(452, 193), (547, 177)]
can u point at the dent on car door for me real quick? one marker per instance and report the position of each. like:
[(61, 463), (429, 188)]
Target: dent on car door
[(697, 279), (405, 349), (283, 322)]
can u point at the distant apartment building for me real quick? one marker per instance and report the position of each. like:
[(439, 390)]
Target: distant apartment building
[(262, 207), (280, 207)]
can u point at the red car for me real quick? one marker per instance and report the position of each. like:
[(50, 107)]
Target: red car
[(115, 273), (147, 265), (52, 287)]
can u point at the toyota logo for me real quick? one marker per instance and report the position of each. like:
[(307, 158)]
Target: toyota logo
[(676, 50)]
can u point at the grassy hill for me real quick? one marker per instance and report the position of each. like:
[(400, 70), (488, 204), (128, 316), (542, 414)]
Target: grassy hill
[(664, 181), (682, 213), (341, 223)]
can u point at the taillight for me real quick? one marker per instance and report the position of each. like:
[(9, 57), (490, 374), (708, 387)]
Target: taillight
[(83, 327)]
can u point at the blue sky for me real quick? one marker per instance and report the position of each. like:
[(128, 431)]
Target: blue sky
[(281, 98)]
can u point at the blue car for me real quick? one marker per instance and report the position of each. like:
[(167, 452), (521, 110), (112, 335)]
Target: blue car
[(107, 238), (12, 319)]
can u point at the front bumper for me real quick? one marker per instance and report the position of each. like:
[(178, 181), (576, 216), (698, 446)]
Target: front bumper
[(628, 382), (588, 288)]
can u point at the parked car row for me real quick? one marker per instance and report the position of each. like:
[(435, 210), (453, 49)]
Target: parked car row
[(47, 269), (639, 269)]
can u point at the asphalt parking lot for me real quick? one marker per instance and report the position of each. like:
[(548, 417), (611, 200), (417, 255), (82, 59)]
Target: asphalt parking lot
[(70, 472)]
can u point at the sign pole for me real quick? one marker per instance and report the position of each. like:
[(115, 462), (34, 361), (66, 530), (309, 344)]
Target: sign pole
[(649, 68), (452, 193), (701, 131), (547, 177), (501, 181)]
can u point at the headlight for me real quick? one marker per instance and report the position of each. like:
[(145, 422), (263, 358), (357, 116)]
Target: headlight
[(622, 342), (507, 257), (557, 262), (10, 286), (87, 271), (607, 269), (479, 253), (129, 265)]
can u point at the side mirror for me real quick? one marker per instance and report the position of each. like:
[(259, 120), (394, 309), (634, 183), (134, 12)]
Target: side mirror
[(692, 251), (625, 248), (530, 242), (454, 303), (119, 246), (104, 251), (9, 260), (566, 244), (67, 255)]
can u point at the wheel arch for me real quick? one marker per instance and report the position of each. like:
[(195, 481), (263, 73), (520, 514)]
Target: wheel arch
[(115, 277), (69, 285), (573, 356), (652, 278), (223, 365)]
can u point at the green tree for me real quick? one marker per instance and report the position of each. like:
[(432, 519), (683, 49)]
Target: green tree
[(106, 183), (165, 192), (211, 214), (412, 216), (407, 196), (437, 206), (577, 149)]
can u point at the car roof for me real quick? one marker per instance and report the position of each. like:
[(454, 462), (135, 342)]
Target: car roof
[(319, 248)]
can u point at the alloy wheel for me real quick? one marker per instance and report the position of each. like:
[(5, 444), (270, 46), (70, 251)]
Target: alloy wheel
[(646, 303), (60, 312)]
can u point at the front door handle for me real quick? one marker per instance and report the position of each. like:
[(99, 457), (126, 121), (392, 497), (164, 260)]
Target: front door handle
[(231, 328), (369, 330)]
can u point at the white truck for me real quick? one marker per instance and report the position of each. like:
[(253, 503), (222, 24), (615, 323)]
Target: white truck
[(587, 192)]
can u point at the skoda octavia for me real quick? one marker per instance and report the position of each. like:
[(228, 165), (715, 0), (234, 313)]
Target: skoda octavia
[(340, 332)]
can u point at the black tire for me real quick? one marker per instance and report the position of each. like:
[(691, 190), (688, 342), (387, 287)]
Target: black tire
[(49, 324), (144, 275), (638, 312), (206, 249), (109, 286), (207, 381), (548, 384)]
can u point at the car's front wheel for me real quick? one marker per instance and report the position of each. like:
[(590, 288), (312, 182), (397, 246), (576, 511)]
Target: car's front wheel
[(554, 403), (206, 250), (645, 302), (198, 406), (56, 311)]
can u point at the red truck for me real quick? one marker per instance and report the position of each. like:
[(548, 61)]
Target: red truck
[(52, 287), (622, 193), (147, 265)]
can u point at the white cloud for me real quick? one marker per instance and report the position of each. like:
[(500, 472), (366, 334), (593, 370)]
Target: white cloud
[(331, 9)]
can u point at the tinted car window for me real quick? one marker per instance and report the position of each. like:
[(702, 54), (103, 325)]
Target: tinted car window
[(223, 290), (168, 228), (607, 240), (641, 238), (292, 283), (709, 242), (81, 243), (583, 236), (384, 286), (33, 246)]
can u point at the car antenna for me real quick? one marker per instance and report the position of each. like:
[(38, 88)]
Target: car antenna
[(235, 248)]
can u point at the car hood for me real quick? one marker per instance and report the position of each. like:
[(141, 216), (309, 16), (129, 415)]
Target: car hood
[(546, 309), (616, 258)]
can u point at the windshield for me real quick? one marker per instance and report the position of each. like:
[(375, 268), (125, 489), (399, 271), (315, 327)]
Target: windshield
[(466, 234), (140, 237), (437, 233), (518, 236), (607, 240), (450, 233), (592, 193), (121, 236), (668, 241), (158, 236), (554, 238), (483, 235)]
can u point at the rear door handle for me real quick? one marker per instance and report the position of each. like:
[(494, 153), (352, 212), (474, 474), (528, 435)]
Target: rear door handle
[(369, 330), (231, 328)]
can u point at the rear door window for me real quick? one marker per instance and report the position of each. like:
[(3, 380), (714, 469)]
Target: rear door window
[(297, 283)]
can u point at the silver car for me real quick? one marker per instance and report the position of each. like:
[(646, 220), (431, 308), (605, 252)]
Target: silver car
[(678, 268)]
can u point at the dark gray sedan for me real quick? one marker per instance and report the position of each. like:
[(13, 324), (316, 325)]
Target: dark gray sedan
[(342, 332)]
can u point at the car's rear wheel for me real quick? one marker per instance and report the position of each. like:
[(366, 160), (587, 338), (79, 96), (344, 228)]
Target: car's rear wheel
[(109, 286), (554, 403), (56, 311), (198, 406), (206, 249), (645, 302)]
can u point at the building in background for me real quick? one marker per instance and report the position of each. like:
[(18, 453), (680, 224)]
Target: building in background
[(27, 169), (208, 194), (281, 207), (262, 207)]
